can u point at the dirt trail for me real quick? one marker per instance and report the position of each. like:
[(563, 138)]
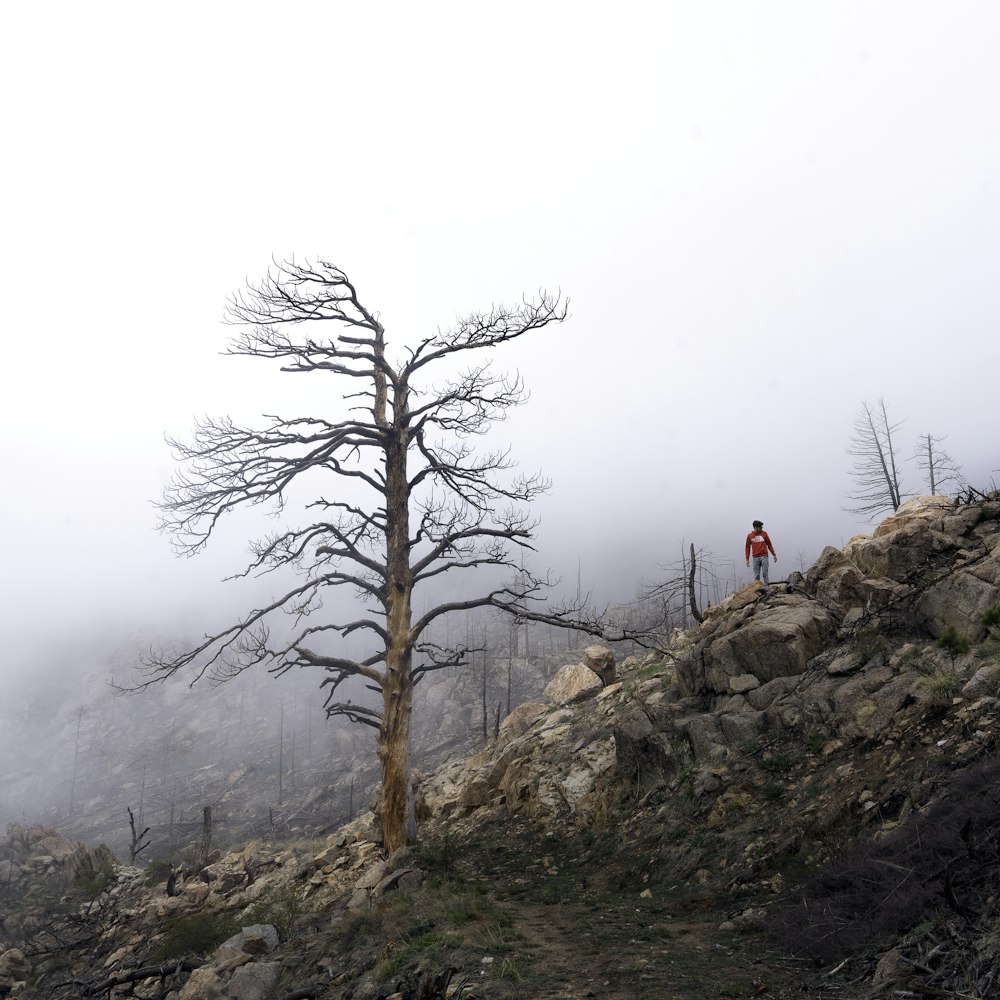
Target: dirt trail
[(584, 928)]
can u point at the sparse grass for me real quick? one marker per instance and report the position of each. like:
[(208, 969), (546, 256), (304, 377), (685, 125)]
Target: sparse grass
[(447, 923), (494, 937), (505, 969), (653, 669), (940, 687), (988, 649), (777, 763), (813, 791), (772, 791)]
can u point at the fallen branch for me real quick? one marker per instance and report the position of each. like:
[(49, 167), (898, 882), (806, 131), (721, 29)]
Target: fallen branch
[(134, 975)]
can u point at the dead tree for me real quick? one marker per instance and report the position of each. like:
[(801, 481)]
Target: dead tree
[(140, 841), (399, 498), (938, 467), (874, 470), (205, 841), (659, 605)]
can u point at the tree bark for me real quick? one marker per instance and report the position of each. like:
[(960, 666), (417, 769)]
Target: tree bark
[(398, 820)]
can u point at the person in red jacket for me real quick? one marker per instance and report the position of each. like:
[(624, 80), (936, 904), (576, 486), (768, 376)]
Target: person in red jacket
[(757, 547)]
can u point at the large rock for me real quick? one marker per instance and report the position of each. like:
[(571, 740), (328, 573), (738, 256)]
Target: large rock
[(868, 703), (571, 684), (704, 734), (255, 981), (86, 864), (960, 599), (926, 510), (902, 544), (58, 847), (14, 968), (601, 660), (985, 681), (258, 939), (777, 641)]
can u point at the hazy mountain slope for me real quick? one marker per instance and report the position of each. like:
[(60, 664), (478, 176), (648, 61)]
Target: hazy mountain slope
[(816, 763)]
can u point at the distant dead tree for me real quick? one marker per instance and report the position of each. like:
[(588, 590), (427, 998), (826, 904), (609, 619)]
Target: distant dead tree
[(140, 840), (662, 605), (429, 503), (874, 470), (204, 849), (938, 467)]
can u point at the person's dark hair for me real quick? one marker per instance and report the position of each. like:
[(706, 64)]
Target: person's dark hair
[(758, 524)]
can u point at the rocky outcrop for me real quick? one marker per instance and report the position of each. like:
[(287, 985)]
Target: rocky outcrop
[(816, 656), (837, 654)]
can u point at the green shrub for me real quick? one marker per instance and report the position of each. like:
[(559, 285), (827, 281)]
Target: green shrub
[(777, 763), (194, 934), (439, 854), (91, 884), (991, 618), (157, 872), (952, 643)]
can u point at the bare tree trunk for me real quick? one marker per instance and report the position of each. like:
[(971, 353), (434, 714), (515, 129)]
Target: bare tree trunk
[(510, 661), (76, 761), (394, 758), (485, 719), (142, 793), (205, 846), (138, 843), (695, 613), (398, 819)]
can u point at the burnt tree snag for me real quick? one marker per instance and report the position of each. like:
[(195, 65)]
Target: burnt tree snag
[(399, 497)]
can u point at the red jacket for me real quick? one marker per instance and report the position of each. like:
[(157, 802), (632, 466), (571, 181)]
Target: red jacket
[(758, 544)]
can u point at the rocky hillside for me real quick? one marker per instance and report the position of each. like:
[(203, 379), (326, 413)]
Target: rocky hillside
[(797, 798)]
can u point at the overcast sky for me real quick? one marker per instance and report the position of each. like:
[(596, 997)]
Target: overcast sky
[(762, 213)]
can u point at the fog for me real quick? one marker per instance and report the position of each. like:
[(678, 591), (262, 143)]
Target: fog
[(762, 214)]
